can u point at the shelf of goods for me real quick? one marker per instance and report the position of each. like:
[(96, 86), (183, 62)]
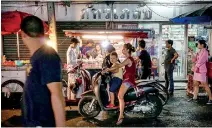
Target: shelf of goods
[(174, 32), (92, 63)]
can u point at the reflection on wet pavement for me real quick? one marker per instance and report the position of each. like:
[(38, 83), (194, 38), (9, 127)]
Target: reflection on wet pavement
[(178, 112)]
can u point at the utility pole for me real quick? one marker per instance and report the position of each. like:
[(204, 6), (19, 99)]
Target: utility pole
[(52, 24)]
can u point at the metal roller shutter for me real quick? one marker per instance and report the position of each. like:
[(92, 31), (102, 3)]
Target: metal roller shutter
[(64, 44), (10, 48), (10, 41)]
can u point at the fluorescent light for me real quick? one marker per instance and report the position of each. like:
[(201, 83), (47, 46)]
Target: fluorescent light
[(93, 37), (116, 37), (104, 32), (101, 32), (102, 37)]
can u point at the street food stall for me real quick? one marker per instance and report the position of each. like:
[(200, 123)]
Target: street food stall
[(13, 72), (94, 38)]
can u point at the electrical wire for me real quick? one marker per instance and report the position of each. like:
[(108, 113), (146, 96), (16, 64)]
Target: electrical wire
[(157, 13), (23, 6), (63, 40), (27, 6), (174, 6), (38, 8)]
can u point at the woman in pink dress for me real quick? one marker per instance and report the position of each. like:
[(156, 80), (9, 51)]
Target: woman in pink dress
[(200, 71)]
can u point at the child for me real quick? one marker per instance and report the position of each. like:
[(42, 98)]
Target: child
[(116, 80)]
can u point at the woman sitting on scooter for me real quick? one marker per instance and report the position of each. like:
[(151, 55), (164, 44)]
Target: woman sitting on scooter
[(116, 80), (128, 78)]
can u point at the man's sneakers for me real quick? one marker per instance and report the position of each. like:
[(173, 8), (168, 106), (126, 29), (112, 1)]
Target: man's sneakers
[(193, 100), (196, 100), (209, 102)]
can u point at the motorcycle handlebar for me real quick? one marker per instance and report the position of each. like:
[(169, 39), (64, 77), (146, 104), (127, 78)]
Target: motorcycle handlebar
[(75, 68)]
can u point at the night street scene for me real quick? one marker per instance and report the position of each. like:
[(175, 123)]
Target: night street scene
[(106, 63)]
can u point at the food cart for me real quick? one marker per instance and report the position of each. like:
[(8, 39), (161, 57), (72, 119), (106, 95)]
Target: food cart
[(13, 77), (14, 73), (105, 37)]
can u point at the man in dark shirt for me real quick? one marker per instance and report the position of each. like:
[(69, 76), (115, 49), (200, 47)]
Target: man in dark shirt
[(169, 63), (145, 60), (43, 102)]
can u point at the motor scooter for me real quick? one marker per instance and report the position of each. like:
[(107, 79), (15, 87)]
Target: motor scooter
[(141, 101), (81, 83)]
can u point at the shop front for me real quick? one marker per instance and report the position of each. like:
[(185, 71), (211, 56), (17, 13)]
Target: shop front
[(93, 45), (109, 17), (185, 38)]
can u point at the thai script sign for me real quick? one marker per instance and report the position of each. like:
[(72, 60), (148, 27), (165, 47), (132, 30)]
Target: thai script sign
[(139, 13)]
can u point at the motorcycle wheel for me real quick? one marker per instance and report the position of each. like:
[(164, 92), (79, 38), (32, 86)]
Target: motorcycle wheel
[(16, 87), (158, 106), (84, 109), (163, 93)]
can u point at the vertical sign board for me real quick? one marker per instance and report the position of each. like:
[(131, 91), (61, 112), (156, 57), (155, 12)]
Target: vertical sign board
[(191, 53)]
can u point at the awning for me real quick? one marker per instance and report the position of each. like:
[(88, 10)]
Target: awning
[(203, 15)]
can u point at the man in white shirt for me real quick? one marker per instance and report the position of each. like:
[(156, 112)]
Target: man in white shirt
[(72, 55)]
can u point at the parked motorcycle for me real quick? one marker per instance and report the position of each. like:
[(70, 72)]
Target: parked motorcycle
[(142, 101), (163, 92), (81, 82)]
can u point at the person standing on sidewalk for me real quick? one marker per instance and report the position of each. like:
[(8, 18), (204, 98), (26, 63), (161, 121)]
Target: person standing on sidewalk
[(200, 71), (72, 56), (169, 63), (43, 102), (145, 60)]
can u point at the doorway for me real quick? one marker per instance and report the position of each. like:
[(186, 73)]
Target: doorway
[(177, 34)]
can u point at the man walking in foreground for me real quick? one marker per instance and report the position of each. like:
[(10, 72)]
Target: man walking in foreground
[(43, 102), (169, 63)]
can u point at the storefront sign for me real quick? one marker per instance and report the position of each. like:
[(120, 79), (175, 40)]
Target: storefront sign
[(104, 12), (128, 26), (125, 13)]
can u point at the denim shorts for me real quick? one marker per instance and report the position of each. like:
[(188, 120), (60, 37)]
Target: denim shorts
[(127, 84), (115, 84)]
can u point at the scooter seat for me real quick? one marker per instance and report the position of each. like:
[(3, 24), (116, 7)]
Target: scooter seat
[(145, 81), (149, 90)]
